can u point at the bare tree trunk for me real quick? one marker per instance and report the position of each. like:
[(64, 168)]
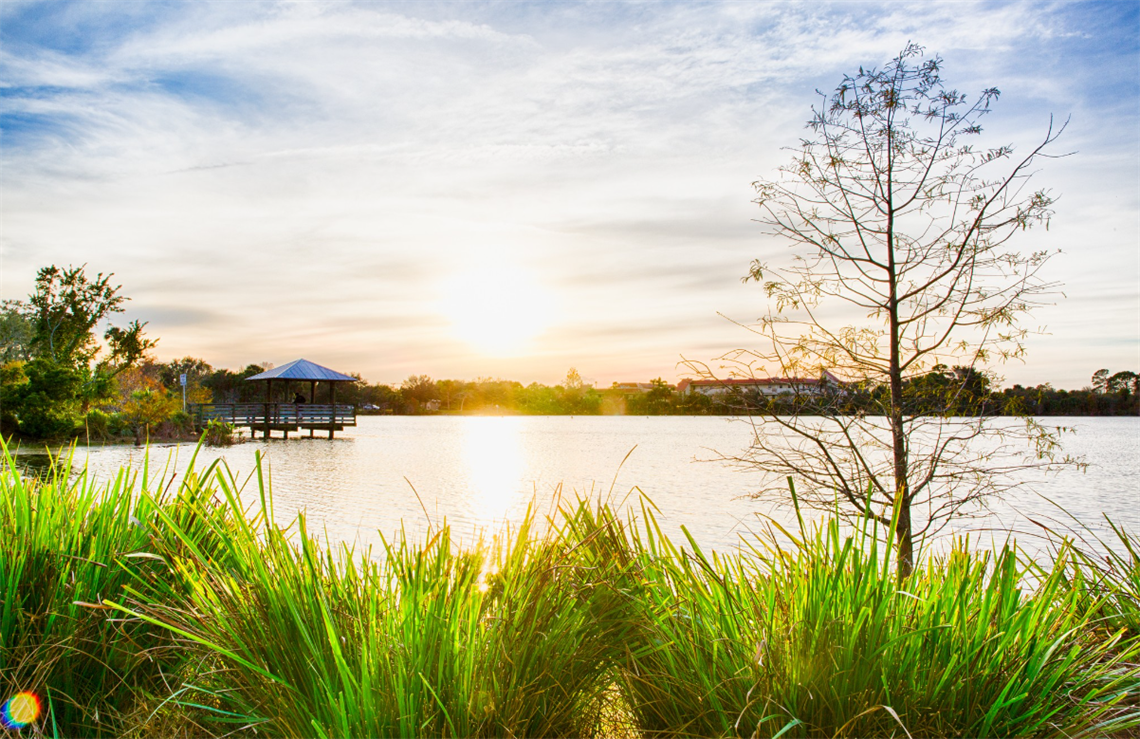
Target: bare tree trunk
[(904, 532), (904, 222), (904, 535)]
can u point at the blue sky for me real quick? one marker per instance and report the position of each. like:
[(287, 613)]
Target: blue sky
[(354, 183)]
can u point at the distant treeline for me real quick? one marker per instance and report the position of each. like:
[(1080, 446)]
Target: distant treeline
[(959, 391), (420, 394), (145, 400), (59, 380)]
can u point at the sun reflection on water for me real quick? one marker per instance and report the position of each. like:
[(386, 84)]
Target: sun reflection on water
[(492, 452)]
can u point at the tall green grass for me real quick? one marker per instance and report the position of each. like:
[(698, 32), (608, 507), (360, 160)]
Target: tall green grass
[(818, 639), (147, 611), (515, 637), (1106, 572), (68, 545), (1118, 579)]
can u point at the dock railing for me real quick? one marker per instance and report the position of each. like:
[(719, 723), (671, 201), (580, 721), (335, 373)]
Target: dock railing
[(276, 415)]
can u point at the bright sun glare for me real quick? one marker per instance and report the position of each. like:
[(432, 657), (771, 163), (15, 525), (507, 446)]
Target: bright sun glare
[(497, 310)]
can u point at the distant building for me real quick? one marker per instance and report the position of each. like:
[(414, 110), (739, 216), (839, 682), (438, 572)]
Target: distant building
[(632, 388), (766, 386)]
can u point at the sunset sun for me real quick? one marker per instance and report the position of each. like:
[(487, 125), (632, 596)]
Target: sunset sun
[(497, 311)]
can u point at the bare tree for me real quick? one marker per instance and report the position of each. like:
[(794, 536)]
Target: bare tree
[(901, 270)]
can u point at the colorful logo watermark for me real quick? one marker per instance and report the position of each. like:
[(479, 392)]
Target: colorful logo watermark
[(20, 710)]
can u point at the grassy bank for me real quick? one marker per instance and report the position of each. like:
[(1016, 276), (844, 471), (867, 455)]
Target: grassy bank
[(135, 611)]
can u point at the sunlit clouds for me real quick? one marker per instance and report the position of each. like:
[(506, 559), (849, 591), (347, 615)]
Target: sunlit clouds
[(510, 189)]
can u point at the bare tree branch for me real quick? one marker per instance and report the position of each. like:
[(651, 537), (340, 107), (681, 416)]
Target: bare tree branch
[(895, 215)]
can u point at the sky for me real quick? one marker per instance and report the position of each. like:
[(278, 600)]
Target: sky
[(513, 189)]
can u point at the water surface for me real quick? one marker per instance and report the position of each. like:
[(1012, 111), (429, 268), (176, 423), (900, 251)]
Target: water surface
[(476, 473)]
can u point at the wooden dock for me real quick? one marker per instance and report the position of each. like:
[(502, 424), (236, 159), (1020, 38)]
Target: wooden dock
[(283, 417)]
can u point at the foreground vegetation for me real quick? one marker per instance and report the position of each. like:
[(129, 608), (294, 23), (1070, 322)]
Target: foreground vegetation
[(135, 611)]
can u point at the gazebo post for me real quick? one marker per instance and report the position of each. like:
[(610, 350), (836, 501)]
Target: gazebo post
[(268, 394), (332, 399), (296, 411), (282, 413), (312, 399)]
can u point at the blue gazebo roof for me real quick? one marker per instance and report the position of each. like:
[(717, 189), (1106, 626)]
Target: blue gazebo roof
[(303, 369)]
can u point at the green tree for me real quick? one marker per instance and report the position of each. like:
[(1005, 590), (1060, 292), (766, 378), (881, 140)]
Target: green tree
[(452, 393), (169, 374), (68, 369), (230, 387), (962, 391), (576, 397), (147, 408), (418, 390), (1123, 382), (13, 378), (385, 397), (495, 393), (539, 400), (67, 306), (901, 226), (659, 400), (1100, 380), (48, 403), (193, 367), (573, 381), (16, 330)]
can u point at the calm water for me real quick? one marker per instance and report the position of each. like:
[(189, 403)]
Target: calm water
[(479, 472)]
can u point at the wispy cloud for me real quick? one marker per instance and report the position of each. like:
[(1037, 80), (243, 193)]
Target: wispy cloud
[(315, 173)]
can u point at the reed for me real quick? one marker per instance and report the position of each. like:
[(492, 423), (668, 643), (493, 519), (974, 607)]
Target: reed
[(1102, 568), (1107, 573), (139, 610), (1120, 580), (68, 545), (512, 637), (818, 639)]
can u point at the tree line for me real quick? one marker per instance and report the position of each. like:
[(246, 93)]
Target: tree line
[(58, 380)]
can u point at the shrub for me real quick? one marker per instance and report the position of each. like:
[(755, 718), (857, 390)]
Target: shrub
[(219, 433), (47, 405), (118, 425), (96, 425), (148, 408), (180, 423)]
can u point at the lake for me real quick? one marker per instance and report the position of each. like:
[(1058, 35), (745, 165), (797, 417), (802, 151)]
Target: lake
[(477, 472)]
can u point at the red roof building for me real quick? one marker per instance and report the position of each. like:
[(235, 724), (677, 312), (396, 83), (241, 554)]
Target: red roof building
[(768, 386)]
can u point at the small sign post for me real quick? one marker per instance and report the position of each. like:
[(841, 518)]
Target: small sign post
[(182, 382)]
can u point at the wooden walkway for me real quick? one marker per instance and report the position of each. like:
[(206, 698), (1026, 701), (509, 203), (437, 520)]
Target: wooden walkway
[(284, 417)]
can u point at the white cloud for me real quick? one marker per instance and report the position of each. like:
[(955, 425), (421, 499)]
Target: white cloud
[(314, 171)]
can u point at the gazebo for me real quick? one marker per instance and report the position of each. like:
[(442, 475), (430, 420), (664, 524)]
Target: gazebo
[(292, 414)]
